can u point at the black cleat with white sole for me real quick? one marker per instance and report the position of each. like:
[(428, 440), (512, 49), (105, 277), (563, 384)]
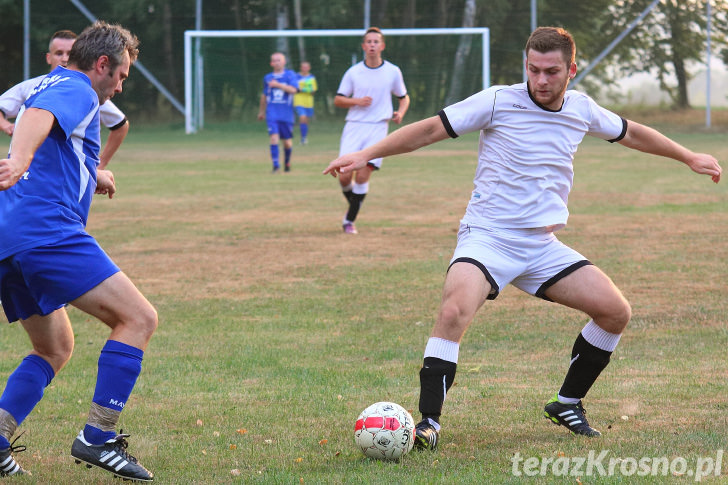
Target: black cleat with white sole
[(571, 416), (8, 465), (111, 456)]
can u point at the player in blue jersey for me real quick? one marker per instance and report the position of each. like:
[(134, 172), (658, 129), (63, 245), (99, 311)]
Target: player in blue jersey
[(48, 260), (276, 107), (110, 116)]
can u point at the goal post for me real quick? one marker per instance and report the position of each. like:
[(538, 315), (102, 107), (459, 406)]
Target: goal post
[(194, 60)]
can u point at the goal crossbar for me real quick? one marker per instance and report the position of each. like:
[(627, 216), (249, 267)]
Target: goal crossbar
[(193, 110)]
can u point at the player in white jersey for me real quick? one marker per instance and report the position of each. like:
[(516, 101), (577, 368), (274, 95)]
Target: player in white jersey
[(529, 133), (366, 90), (110, 116)]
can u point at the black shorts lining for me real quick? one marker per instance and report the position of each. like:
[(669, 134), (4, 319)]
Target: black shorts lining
[(494, 290), (541, 293)]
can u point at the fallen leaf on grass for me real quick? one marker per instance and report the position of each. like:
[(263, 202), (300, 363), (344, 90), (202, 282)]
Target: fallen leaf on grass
[(323, 442)]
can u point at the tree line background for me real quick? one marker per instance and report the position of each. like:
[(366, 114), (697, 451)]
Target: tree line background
[(668, 42)]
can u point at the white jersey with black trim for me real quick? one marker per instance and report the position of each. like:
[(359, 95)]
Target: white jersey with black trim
[(379, 83), (12, 99), (526, 151)]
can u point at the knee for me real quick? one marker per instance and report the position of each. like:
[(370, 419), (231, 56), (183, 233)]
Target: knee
[(149, 321), (616, 320), (451, 314), (56, 353), (144, 323)]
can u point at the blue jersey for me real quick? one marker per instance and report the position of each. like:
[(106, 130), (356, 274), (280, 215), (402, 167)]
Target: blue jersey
[(279, 103), (52, 199)]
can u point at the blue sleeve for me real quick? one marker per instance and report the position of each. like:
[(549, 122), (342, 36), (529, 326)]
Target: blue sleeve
[(68, 104)]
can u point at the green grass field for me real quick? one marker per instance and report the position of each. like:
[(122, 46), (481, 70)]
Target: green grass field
[(276, 329)]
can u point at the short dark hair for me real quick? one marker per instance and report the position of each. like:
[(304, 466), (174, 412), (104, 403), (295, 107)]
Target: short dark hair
[(547, 39), (102, 39), (61, 34), (375, 30)]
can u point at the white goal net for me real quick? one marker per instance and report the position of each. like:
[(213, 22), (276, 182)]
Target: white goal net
[(224, 68)]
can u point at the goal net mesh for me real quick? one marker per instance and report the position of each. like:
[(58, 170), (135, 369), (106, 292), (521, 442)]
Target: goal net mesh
[(227, 75)]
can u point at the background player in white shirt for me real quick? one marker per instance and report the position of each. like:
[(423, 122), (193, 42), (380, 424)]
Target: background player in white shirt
[(366, 90), (110, 116), (529, 133)]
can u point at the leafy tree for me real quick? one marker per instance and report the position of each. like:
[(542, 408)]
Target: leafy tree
[(671, 37)]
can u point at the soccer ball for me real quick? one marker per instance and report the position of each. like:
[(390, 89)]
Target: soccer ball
[(385, 431)]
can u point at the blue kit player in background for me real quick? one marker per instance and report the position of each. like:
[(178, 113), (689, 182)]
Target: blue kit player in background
[(276, 107), (48, 260)]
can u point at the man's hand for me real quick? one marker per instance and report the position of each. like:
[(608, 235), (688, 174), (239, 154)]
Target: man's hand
[(7, 127), (105, 183), (346, 163), (11, 169), (364, 102), (705, 164)]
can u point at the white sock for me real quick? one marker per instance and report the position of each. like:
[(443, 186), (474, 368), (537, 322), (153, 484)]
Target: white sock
[(442, 349), (360, 188), (600, 338)]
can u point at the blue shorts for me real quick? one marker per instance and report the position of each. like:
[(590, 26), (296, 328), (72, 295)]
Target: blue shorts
[(532, 260), (301, 111), (40, 280), (281, 128)]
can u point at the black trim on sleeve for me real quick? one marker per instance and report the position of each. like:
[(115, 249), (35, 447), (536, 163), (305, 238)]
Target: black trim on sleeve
[(446, 123), (118, 125), (541, 292), (621, 135), (494, 290), (402, 97)]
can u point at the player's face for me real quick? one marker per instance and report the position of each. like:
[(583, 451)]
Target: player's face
[(58, 52), (109, 83), (305, 68), (548, 77), (373, 45), (277, 62)]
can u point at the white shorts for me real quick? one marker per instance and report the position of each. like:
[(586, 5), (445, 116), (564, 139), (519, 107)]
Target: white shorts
[(357, 136), (532, 260)]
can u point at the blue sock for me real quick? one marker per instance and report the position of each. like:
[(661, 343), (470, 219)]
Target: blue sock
[(274, 156), (287, 152), (119, 366), (304, 130), (24, 389)]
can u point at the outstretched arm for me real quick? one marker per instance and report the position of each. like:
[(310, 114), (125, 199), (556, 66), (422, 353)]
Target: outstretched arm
[(33, 127), (404, 140), (648, 140)]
